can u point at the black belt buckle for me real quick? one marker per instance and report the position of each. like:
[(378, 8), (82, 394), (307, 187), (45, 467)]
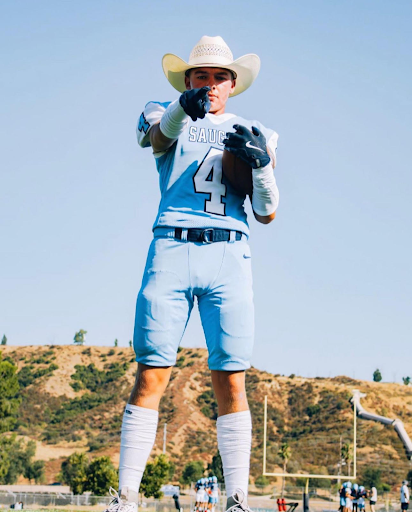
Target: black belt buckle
[(206, 236)]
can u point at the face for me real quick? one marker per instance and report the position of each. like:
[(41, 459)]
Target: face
[(219, 80)]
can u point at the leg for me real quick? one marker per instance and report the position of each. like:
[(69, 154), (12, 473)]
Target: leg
[(162, 311), (234, 429), (149, 386), (230, 391), (139, 426), (227, 315)]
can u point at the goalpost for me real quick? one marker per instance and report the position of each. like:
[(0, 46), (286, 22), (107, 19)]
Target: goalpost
[(308, 476)]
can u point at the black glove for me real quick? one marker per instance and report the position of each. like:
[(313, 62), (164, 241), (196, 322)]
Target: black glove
[(196, 102), (248, 145)]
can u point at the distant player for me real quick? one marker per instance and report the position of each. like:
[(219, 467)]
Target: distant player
[(213, 494), (342, 497), (205, 500), (354, 494), (361, 498), (199, 253), (200, 494), (348, 497), (404, 495), (373, 498)]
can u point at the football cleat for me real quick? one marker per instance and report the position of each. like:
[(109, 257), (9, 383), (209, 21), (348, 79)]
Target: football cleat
[(237, 502), (125, 502)]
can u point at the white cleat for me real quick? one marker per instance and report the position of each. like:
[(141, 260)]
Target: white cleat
[(125, 502), (237, 502)]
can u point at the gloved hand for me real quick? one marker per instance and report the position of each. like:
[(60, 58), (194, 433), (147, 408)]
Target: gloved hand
[(248, 145), (196, 102)]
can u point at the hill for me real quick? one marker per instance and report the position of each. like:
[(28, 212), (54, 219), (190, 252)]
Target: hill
[(73, 399)]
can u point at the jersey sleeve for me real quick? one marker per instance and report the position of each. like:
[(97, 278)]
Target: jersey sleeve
[(151, 115)]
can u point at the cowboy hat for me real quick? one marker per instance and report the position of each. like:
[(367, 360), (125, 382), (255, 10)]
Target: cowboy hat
[(212, 52)]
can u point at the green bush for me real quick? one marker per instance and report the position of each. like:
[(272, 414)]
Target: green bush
[(180, 361), (9, 387), (73, 472), (262, 481), (93, 379), (192, 472), (27, 375), (208, 404), (16, 459), (155, 475), (100, 476)]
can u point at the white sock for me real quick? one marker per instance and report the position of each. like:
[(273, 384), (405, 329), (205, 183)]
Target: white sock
[(138, 436), (234, 439)]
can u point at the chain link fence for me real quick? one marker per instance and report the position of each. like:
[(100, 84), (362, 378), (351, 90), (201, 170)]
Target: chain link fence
[(260, 500)]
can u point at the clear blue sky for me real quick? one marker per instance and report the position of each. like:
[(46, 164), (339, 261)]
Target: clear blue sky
[(332, 274)]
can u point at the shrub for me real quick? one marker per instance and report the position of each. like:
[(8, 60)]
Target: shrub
[(208, 404), (180, 361), (93, 379), (192, 472), (100, 476), (155, 475)]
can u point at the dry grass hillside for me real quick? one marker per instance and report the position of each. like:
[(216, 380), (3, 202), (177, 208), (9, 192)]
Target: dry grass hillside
[(73, 398)]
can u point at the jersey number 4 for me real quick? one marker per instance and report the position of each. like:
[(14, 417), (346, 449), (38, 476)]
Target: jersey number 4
[(208, 180)]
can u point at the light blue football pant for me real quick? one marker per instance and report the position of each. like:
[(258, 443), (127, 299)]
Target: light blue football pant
[(220, 276)]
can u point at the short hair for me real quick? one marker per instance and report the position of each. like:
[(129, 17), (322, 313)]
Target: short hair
[(234, 76)]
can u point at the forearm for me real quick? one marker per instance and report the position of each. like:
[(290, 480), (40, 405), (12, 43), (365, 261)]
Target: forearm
[(171, 126), (192, 103), (265, 197), (158, 140)]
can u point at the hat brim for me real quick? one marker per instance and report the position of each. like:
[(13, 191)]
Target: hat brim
[(246, 69)]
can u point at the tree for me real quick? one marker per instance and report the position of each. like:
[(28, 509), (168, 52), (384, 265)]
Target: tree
[(262, 482), (130, 343), (406, 380), (346, 455), (79, 337), (409, 477), (192, 472), (216, 467), (35, 471), (100, 476), (16, 459), (73, 472), (4, 340), (81, 475), (6, 447), (9, 387), (155, 475), (116, 342), (285, 454), (372, 477), (377, 376)]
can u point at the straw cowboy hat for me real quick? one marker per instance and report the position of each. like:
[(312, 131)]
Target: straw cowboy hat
[(212, 52)]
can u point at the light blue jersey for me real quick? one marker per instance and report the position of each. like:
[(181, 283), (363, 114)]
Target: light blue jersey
[(194, 193)]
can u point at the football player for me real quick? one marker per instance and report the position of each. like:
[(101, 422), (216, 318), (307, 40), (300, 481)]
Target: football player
[(361, 498), (199, 494), (213, 494), (199, 251)]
